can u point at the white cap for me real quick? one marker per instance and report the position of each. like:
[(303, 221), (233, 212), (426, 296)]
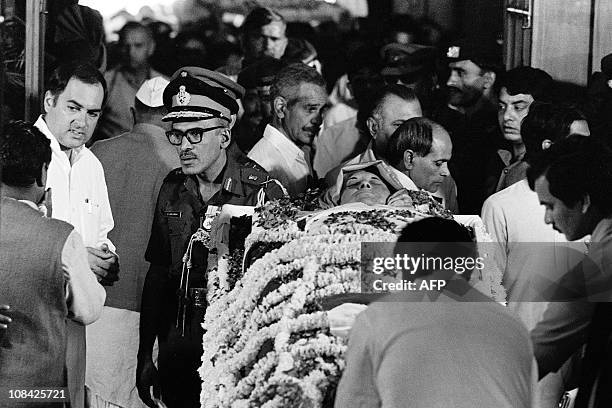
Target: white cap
[(151, 93)]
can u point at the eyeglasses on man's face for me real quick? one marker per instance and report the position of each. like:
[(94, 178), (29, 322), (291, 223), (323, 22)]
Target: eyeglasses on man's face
[(194, 135)]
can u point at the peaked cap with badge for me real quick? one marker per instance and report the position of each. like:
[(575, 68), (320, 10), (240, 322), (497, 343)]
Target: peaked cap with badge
[(481, 52), (196, 93), (402, 59)]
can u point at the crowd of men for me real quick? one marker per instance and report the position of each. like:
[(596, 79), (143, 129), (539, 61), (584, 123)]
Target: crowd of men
[(102, 196)]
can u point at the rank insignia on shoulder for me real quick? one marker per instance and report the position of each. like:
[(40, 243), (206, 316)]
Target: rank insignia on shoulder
[(228, 184), (172, 214), (251, 175)]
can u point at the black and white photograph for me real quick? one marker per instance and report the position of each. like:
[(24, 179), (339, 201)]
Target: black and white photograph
[(305, 203)]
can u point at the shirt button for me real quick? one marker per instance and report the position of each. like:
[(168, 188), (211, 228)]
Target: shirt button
[(506, 171)]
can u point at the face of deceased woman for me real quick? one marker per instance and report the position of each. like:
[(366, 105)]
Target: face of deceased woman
[(365, 187)]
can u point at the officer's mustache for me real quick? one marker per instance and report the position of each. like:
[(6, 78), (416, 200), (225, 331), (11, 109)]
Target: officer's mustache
[(187, 155)]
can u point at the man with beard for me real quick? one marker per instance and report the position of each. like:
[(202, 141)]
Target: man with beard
[(256, 79), (298, 98), (203, 107), (470, 117)]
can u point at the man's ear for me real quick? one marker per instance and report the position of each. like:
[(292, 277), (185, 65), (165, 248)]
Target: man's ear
[(408, 159), (226, 138), (151, 49), (489, 79), (41, 180), (586, 203), (49, 101), (278, 106), (372, 125), (546, 143), (349, 87), (233, 120)]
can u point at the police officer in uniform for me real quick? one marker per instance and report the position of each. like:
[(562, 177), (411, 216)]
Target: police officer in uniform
[(202, 108)]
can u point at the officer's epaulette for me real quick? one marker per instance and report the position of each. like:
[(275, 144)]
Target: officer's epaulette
[(175, 175), (253, 174)]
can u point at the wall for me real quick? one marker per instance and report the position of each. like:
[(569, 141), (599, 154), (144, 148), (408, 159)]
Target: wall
[(561, 31), (602, 34), (441, 11), (474, 18)]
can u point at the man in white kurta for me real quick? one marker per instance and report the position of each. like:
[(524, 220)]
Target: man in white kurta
[(72, 107)]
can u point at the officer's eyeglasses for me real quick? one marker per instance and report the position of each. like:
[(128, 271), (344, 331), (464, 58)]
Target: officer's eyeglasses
[(194, 135)]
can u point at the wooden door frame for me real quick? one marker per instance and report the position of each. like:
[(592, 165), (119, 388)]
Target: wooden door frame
[(513, 48), (36, 11)]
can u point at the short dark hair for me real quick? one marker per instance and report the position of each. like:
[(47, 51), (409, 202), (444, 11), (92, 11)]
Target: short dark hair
[(23, 151), (415, 134), (259, 17), (378, 99), (372, 105), (528, 81), (574, 167), (435, 229), (438, 231), (133, 26), (84, 72), (547, 121), (292, 76)]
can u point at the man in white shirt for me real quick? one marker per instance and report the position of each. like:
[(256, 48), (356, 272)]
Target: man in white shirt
[(72, 103), (298, 98), (527, 250), (45, 274)]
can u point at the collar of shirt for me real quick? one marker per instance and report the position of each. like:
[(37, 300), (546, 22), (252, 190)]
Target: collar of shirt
[(55, 146), (228, 178), (506, 157), (41, 209), (32, 206), (286, 146), (400, 177), (28, 203), (602, 230)]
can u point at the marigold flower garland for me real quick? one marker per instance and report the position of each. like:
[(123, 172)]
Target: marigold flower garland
[(267, 342)]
